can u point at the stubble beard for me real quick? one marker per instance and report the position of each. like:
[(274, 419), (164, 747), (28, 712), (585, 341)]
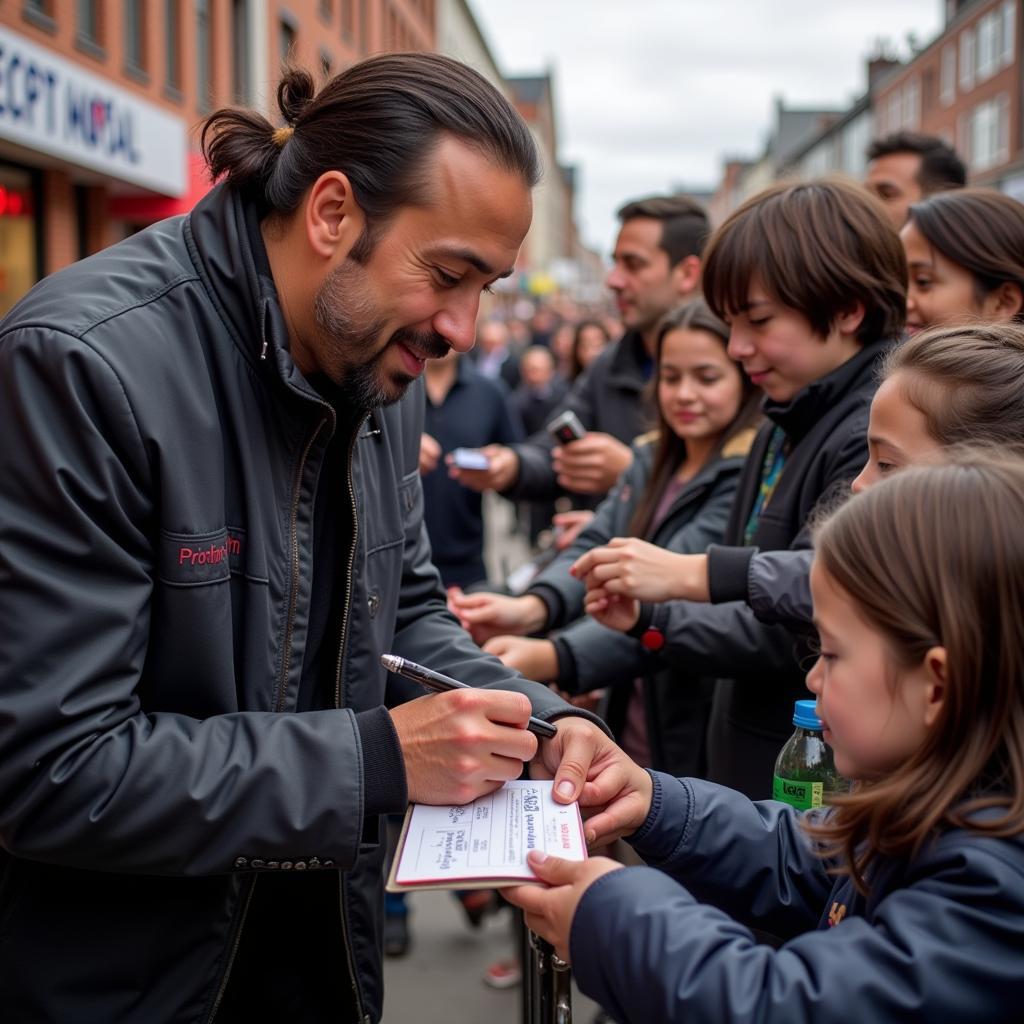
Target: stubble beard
[(350, 325)]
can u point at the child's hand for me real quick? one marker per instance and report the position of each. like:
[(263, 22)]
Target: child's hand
[(635, 568), (611, 610), (549, 911), (536, 659)]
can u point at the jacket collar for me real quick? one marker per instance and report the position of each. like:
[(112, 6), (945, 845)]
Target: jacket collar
[(630, 362), (224, 235), (806, 408)]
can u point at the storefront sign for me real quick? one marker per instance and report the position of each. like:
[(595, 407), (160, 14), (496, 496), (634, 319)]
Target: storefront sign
[(51, 105)]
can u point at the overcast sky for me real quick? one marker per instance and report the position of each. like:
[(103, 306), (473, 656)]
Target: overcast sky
[(650, 94)]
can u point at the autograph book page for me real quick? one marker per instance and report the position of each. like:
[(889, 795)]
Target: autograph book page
[(483, 845)]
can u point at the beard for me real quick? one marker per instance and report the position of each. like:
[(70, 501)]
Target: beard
[(350, 325)]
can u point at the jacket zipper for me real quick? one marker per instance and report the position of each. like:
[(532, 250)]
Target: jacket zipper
[(232, 953), (343, 902), (294, 594), (282, 689)]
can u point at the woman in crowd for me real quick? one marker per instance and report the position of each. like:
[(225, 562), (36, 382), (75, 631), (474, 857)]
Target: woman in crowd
[(677, 493), (965, 251), (589, 341), (905, 900)]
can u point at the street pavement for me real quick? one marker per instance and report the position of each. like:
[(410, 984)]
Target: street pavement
[(440, 980)]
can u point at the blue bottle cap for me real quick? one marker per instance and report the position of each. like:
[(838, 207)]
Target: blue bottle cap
[(804, 716)]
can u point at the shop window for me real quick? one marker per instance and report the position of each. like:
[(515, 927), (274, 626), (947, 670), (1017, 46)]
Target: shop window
[(40, 14), (19, 236)]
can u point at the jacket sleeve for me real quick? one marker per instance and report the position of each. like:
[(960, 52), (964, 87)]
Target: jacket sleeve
[(591, 656), (720, 639), (942, 948), (88, 778), (779, 588), (537, 480), (750, 859)]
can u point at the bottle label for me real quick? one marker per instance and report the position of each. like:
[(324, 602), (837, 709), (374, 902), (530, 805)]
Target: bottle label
[(801, 795)]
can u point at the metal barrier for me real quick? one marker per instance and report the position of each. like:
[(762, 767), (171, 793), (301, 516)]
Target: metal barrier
[(547, 981)]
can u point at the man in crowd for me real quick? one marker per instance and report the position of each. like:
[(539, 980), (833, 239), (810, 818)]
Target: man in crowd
[(656, 267), (495, 356), (905, 167), (211, 529)]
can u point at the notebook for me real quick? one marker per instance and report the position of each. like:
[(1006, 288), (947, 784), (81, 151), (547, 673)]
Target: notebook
[(483, 845)]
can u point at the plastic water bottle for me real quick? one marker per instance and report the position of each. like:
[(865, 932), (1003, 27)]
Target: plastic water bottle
[(805, 773)]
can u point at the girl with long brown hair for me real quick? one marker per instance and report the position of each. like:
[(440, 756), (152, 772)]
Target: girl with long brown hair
[(905, 899)]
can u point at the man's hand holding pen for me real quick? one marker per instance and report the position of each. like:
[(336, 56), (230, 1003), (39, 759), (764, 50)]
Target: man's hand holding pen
[(464, 743)]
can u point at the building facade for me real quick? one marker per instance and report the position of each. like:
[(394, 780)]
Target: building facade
[(965, 87), (100, 99)]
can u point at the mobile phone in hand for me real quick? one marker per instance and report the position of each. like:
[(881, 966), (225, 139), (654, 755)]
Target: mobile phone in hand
[(566, 428), (470, 458)]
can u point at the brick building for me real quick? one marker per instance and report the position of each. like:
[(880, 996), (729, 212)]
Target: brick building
[(99, 100), (965, 87)]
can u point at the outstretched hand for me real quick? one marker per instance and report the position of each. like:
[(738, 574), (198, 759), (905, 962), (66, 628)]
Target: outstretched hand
[(549, 910), (634, 568)]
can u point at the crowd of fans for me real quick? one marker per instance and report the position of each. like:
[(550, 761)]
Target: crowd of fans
[(818, 338)]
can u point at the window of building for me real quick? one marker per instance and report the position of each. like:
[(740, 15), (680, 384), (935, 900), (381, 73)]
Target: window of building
[(135, 36), (327, 10), (326, 64), (364, 25), (967, 59), (947, 76), (40, 14), (172, 45), (240, 51), (1009, 31), (911, 116), (204, 81), (893, 111), (89, 24), (988, 131), (287, 39), (987, 54)]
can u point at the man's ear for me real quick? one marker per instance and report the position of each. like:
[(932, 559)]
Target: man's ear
[(849, 320), (334, 221), (936, 663), (686, 276)]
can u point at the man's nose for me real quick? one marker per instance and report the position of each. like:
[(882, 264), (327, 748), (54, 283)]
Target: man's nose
[(456, 323), (615, 279)]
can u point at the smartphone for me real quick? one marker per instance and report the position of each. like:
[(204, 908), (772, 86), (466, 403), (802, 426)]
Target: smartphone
[(470, 458), (566, 428)]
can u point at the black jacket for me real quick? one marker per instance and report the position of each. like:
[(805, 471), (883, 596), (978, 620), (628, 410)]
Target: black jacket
[(607, 397), (591, 656), (762, 665), (938, 939), (159, 463)]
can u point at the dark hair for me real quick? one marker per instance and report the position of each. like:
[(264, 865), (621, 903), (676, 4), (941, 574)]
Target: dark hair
[(684, 223), (941, 168), (818, 247), (671, 450), (934, 557), (967, 381), (979, 229), (576, 366), (377, 122)]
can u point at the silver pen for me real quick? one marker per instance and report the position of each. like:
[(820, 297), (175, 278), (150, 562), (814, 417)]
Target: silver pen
[(439, 682)]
